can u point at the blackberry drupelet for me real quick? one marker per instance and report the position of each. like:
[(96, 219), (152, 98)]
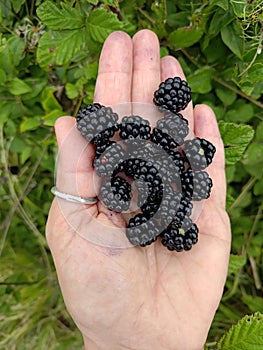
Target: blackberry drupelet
[(141, 231), (199, 153), (134, 127), (115, 194), (97, 123), (196, 185), (173, 95), (109, 160)]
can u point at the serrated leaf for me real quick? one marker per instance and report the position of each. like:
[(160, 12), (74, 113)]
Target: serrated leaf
[(185, 37), (67, 17), (101, 23), (236, 262), (232, 36), (58, 48), (200, 81), (247, 334), (18, 87), (236, 138)]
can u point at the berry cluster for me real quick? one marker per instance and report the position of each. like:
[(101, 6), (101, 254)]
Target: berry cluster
[(155, 168)]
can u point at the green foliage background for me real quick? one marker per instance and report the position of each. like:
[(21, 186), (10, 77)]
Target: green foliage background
[(48, 64)]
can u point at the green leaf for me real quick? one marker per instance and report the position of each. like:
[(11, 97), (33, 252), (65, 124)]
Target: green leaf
[(226, 96), (236, 138), (67, 17), (58, 48), (232, 36), (72, 91), (236, 262), (49, 102), (100, 23), (220, 19), (253, 159), (239, 7), (29, 124), (241, 113), (2, 76), (221, 3), (200, 81), (185, 37), (247, 334), (259, 132), (19, 87), (50, 118), (254, 303), (17, 5)]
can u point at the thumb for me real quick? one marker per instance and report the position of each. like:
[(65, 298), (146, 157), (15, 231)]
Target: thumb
[(74, 167)]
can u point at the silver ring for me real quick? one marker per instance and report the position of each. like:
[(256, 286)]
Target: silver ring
[(71, 198)]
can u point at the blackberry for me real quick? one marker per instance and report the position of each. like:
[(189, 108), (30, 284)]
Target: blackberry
[(97, 123), (178, 238), (168, 206), (196, 185), (174, 126), (199, 153), (141, 231), (143, 192), (101, 147), (173, 95), (162, 139), (184, 210), (115, 194), (134, 127), (146, 171), (151, 206), (93, 107), (108, 162)]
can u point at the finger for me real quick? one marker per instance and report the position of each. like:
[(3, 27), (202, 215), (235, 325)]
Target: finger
[(114, 79), (74, 166), (206, 127), (170, 68), (146, 66)]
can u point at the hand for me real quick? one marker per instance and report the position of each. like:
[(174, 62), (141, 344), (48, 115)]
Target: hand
[(137, 298)]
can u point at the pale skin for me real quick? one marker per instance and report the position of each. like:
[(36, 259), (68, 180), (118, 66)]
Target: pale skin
[(139, 298)]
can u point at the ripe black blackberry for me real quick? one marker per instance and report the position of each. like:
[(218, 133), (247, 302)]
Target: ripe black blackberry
[(93, 107), (199, 153), (168, 206), (184, 210), (115, 194), (162, 139), (146, 171), (196, 185), (134, 127), (174, 126), (97, 123), (179, 238), (173, 95), (141, 231), (107, 163), (102, 146)]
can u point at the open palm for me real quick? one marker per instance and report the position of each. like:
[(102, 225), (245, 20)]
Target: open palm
[(136, 298)]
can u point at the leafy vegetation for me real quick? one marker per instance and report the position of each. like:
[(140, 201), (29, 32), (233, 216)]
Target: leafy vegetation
[(48, 66)]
